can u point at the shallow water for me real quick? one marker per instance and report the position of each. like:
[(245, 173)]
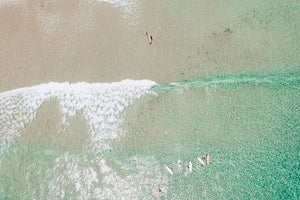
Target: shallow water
[(251, 132), (249, 125), (236, 98)]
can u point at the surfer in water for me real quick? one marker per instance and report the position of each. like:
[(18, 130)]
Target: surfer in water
[(207, 159), (190, 167), (179, 165), (170, 170), (157, 192), (202, 163), (149, 38)]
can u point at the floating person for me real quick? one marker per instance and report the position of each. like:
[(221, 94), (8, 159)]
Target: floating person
[(190, 167), (157, 192), (149, 38), (169, 170), (179, 165), (207, 159), (201, 161)]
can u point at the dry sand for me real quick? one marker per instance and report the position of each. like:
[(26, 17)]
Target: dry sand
[(76, 40)]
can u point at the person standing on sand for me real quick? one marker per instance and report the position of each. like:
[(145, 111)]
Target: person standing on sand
[(149, 38)]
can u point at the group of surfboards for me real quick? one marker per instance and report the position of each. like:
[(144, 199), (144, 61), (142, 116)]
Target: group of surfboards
[(190, 166)]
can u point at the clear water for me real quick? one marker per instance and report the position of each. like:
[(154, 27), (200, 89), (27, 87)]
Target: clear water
[(114, 140), (249, 125)]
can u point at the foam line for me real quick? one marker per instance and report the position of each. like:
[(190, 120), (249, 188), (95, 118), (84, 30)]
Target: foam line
[(100, 103), (128, 7), (234, 79)]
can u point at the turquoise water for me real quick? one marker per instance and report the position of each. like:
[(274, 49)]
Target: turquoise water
[(249, 124), (235, 96)]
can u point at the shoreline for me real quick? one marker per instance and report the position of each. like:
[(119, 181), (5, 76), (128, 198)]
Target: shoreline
[(91, 41)]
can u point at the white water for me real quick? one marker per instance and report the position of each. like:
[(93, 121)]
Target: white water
[(69, 175), (9, 2), (100, 103), (128, 7)]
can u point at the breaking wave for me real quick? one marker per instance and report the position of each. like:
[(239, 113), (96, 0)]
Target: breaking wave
[(100, 103)]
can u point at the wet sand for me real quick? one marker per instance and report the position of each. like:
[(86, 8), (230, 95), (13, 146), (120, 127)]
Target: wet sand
[(46, 130), (44, 41)]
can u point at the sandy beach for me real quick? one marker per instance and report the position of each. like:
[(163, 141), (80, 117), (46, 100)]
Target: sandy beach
[(44, 41), (223, 79)]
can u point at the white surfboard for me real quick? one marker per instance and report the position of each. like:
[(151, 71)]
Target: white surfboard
[(207, 159), (201, 161), (169, 170)]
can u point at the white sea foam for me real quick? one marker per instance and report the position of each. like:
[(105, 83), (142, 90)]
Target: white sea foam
[(73, 174), (128, 7), (100, 103), (139, 185), (9, 2)]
